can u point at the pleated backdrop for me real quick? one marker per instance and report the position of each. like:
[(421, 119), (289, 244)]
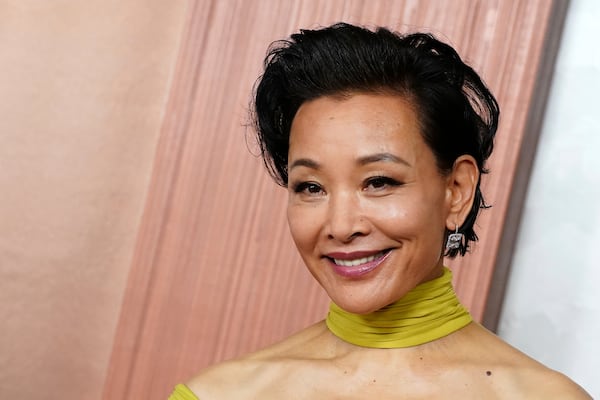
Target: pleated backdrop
[(215, 273)]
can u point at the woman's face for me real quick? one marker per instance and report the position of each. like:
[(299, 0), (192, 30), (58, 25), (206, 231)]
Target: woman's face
[(367, 206)]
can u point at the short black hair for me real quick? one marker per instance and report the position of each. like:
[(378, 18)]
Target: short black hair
[(457, 112)]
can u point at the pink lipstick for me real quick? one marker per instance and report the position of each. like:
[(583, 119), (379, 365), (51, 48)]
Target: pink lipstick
[(356, 264)]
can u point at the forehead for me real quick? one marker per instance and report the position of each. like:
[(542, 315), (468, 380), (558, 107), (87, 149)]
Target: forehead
[(358, 122)]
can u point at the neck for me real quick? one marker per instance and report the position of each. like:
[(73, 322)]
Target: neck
[(428, 312)]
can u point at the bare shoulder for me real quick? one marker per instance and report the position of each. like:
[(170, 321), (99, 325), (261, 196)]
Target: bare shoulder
[(472, 364), (539, 382), (520, 376), (247, 376), (230, 379), (544, 383)]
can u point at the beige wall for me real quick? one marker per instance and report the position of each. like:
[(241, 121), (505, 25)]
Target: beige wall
[(83, 86)]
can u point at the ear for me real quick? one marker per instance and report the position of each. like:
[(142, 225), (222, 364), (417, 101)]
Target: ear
[(460, 193)]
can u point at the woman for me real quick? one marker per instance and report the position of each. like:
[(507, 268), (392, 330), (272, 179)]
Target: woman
[(380, 140)]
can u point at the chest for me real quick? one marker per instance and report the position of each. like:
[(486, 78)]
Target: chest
[(392, 384)]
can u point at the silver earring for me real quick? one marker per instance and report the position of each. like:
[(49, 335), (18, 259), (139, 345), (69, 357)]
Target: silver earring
[(454, 239)]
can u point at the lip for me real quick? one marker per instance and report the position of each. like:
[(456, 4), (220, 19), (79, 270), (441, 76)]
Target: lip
[(356, 271)]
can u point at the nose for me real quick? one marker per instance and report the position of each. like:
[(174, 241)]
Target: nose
[(345, 219)]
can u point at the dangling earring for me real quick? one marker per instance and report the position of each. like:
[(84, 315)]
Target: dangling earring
[(454, 239)]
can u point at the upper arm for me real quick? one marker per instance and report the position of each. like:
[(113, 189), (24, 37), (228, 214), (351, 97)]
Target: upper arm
[(228, 380), (554, 385), (207, 383)]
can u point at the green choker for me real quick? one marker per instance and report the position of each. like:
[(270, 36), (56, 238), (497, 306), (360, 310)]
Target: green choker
[(426, 313)]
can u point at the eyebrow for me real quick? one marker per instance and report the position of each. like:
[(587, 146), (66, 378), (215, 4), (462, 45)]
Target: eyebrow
[(305, 162), (386, 157), (372, 158)]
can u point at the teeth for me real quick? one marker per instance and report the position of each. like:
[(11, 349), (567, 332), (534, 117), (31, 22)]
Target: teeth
[(357, 261)]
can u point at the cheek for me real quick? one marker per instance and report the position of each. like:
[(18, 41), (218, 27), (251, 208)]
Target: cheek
[(408, 217), (392, 211), (303, 226)]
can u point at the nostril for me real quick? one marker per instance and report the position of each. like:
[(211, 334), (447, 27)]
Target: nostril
[(345, 238)]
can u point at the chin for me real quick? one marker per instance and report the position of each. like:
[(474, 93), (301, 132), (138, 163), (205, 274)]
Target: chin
[(356, 303)]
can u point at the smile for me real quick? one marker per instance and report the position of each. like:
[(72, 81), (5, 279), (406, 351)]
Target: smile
[(358, 261), (355, 268)]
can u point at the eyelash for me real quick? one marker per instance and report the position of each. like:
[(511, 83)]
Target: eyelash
[(306, 186), (377, 182), (382, 181)]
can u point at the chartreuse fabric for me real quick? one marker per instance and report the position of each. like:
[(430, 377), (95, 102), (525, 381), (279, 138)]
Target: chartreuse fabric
[(426, 313), (182, 392)]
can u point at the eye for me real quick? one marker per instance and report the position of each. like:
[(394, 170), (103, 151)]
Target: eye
[(378, 183), (308, 188)]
